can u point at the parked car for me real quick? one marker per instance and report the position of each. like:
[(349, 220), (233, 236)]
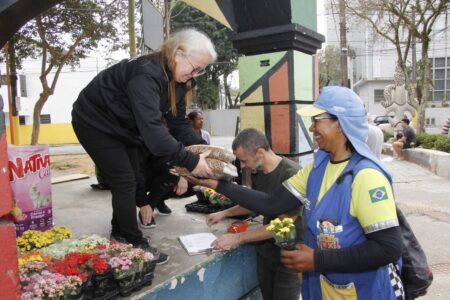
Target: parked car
[(381, 120)]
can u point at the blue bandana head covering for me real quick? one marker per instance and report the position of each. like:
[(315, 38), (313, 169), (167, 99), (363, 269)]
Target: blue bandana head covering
[(351, 113)]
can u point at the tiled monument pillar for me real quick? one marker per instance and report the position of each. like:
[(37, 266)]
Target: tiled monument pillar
[(277, 40)]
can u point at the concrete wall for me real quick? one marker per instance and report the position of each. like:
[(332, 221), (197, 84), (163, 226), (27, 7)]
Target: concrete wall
[(440, 115), (437, 162), (221, 122), (228, 276)]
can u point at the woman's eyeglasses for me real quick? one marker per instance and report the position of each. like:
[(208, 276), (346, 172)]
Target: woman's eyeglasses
[(315, 119), (196, 71)]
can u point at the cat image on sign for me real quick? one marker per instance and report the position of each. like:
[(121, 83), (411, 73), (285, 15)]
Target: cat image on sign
[(17, 213), (39, 200)]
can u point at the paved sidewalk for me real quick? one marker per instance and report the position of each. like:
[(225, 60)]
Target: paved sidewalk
[(425, 200)]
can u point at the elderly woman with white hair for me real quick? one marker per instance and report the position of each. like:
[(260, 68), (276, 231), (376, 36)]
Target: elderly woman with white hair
[(120, 112)]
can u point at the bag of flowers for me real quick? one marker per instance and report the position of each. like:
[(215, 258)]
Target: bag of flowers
[(219, 161)]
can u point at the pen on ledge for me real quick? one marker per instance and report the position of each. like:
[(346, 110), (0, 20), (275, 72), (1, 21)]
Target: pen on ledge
[(197, 220)]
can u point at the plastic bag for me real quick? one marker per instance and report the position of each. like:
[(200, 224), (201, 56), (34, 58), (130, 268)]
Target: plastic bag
[(416, 275)]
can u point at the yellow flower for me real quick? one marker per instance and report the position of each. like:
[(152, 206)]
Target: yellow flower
[(275, 222), (285, 230), (270, 228)]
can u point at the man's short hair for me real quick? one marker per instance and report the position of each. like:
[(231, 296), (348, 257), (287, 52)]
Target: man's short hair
[(250, 139), (406, 120)]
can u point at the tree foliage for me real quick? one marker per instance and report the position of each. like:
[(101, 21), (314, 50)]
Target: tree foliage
[(329, 66), (62, 36), (207, 86), (398, 21)]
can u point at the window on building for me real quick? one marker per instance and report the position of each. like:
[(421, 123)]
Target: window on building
[(441, 78), (378, 95), (23, 86), (430, 122), (45, 119), (3, 80), (22, 120)]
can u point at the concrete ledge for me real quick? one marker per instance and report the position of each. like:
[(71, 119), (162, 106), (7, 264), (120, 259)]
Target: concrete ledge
[(437, 162)]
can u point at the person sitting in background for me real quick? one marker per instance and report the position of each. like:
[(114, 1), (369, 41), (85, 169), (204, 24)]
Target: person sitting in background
[(196, 118), (407, 140), (268, 171)]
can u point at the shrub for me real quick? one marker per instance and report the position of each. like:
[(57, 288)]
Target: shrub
[(387, 136), (442, 143), (433, 141), (420, 137), (429, 140)]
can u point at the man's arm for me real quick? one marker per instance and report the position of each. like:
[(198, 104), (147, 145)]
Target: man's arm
[(232, 240), (236, 210)]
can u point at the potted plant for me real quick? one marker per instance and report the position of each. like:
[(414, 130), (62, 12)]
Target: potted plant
[(283, 232)]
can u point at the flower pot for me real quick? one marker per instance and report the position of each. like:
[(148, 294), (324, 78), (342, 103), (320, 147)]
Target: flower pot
[(74, 295), (126, 284), (103, 283), (87, 289), (286, 245)]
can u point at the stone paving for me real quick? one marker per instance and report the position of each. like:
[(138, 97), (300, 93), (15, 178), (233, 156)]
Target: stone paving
[(425, 200)]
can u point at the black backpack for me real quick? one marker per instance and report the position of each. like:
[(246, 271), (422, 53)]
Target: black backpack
[(416, 275)]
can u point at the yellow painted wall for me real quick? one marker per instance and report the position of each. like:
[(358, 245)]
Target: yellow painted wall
[(49, 134)]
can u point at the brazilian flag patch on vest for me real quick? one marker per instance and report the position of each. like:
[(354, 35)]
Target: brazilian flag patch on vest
[(378, 194)]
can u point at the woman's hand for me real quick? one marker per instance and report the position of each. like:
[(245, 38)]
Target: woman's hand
[(202, 169), (146, 214), (301, 259), (211, 183), (181, 187)]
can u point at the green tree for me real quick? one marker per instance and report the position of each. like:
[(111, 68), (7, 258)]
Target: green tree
[(62, 36), (206, 92), (329, 66)]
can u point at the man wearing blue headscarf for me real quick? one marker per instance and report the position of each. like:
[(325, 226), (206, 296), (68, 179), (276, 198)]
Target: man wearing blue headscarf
[(352, 238)]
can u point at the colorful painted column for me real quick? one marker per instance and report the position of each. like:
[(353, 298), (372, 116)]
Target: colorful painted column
[(9, 277), (277, 40)]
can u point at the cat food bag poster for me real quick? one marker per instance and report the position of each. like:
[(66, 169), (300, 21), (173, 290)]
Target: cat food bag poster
[(29, 174)]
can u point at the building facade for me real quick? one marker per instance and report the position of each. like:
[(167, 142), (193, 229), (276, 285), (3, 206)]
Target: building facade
[(372, 61), (55, 117)]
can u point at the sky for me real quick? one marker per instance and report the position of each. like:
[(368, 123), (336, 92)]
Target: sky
[(321, 18)]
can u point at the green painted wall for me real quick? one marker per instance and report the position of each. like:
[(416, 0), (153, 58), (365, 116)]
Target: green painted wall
[(304, 12), (303, 68), (250, 70)]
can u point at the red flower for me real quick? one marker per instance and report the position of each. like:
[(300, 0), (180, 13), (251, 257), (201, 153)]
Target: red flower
[(80, 264)]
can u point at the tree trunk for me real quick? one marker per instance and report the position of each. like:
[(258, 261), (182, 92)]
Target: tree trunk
[(425, 86), (13, 75), (227, 91), (166, 18), (37, 117), (131, 31)]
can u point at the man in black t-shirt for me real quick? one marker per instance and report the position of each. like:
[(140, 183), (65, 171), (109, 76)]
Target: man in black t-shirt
[(268, 172), (406, 141)]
